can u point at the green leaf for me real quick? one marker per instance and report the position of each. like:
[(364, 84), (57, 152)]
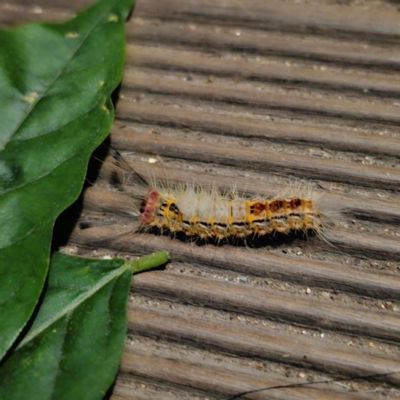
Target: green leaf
[(55, 84), (73, 348)]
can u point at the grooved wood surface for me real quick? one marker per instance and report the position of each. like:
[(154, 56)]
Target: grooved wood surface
[(257, 94)]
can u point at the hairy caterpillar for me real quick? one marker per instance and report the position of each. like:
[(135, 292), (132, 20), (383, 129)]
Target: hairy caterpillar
[(208, 213)]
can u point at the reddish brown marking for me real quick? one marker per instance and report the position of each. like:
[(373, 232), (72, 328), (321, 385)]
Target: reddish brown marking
[(148, 206), (275, 205), (295, 203), (257, 208)]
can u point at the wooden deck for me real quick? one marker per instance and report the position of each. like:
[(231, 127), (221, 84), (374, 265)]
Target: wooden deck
[(258, 94)]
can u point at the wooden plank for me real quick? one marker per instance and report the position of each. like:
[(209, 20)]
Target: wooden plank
[(130, 386), (263, 69), (232, 379), (148, 81), (269, 304), (315, 17), (258, 159), (264, 41), (281, 132), (15, 14), (260, 344)]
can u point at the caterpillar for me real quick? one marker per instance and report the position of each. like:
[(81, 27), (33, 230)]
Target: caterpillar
[(208, 213)]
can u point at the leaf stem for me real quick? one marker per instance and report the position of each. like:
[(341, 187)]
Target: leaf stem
[(147, 262)]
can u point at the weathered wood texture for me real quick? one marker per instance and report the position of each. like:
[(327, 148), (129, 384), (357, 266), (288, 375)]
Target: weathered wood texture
[(258, 94)]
